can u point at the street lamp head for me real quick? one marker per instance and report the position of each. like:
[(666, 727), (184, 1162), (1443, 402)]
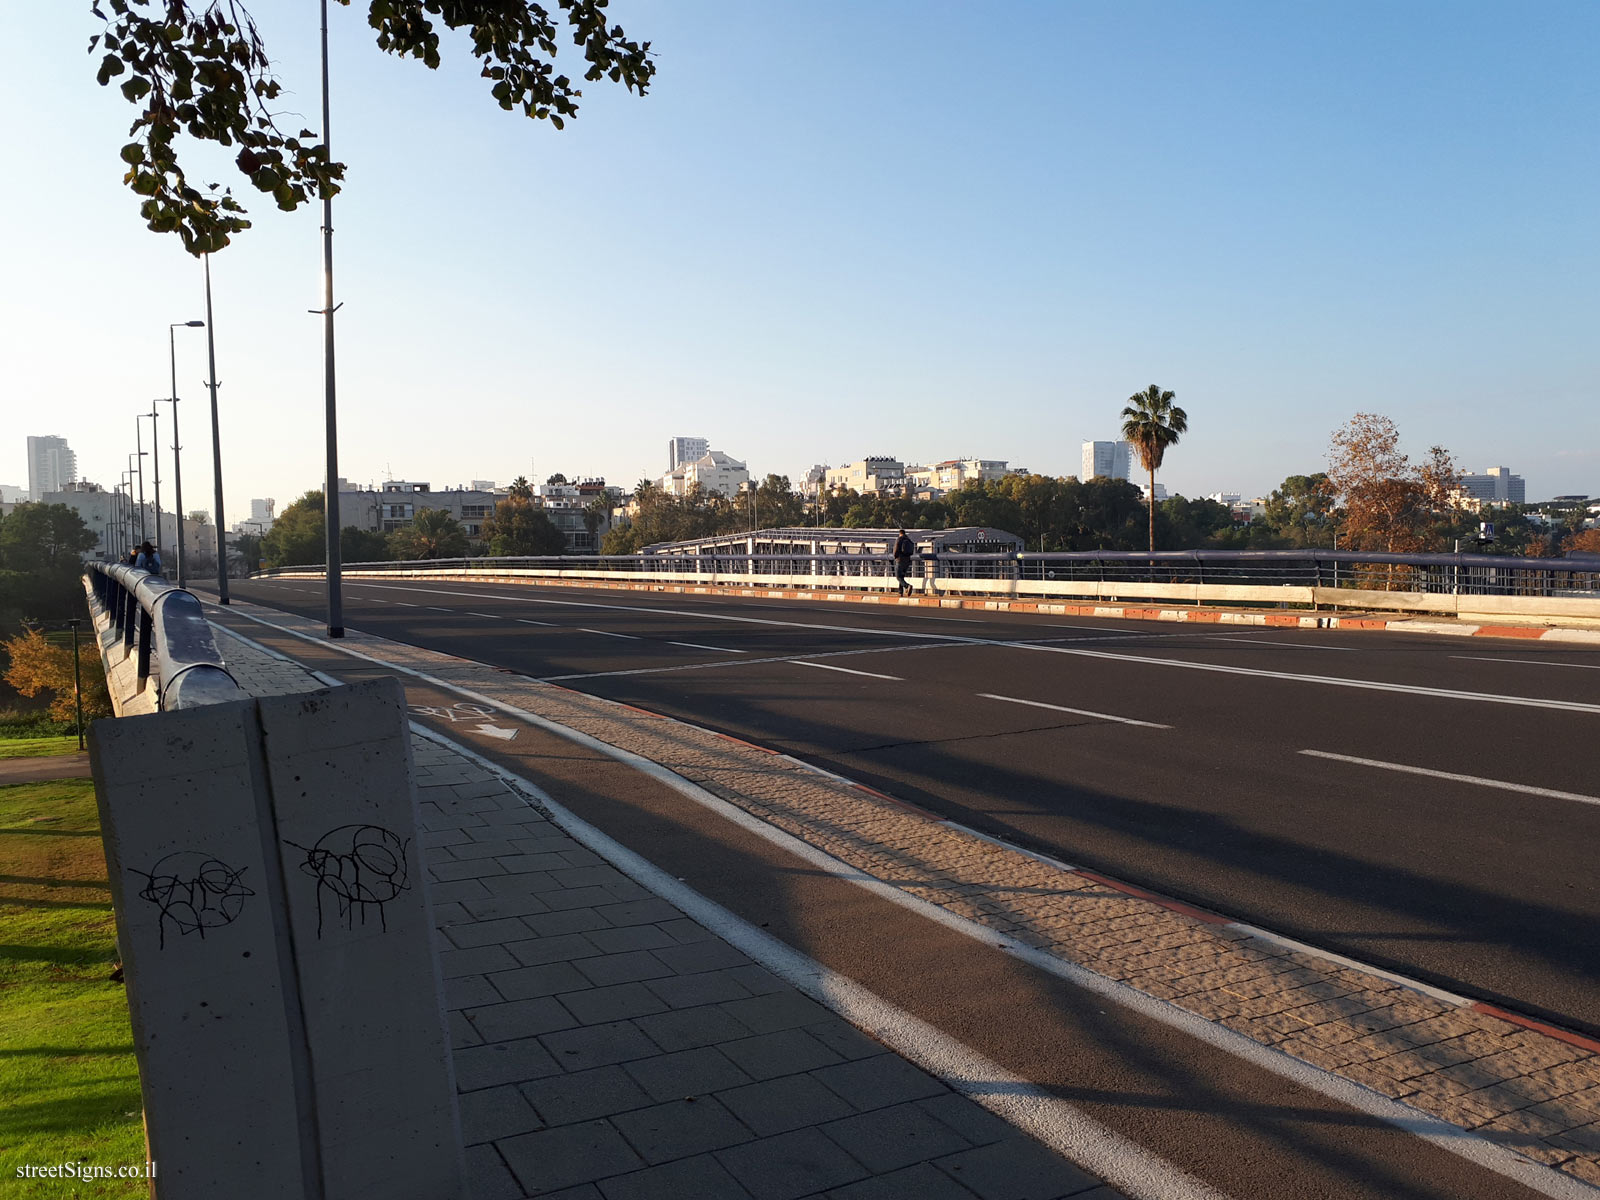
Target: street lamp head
[(187, 325)]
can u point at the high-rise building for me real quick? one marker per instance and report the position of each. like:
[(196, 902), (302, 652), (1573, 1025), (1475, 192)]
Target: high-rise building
[(681, 450), (263, 512), (51, 466), (1113, 460), (1497, 485)]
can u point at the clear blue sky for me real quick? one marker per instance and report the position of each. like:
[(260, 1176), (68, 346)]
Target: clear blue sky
[(837, 229)]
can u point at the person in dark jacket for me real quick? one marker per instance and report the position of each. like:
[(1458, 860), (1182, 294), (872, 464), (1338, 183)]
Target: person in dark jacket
[(903, 550), (149, 559)]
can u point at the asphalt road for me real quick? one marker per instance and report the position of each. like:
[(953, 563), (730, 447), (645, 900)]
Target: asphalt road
[(1213, 765)]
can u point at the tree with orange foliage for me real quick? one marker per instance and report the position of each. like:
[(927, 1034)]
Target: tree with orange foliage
[(1389, 503), (39, 665), (1585, 541)]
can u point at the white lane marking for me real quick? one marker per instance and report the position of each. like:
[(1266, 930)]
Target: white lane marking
[(1073, 1134), (1244, 637), (1371, 685), (700, 616), (846, 670), (750, 662), (1534, 662), (407, 604), (486, 616), (1447, 1137), (376, 600), (1080, 712), (436, 608), (1503, 785), (698, 646), (626, 636), (525, 621)]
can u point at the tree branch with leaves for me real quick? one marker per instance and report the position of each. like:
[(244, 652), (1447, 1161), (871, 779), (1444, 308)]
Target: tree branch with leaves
[(199, 68)]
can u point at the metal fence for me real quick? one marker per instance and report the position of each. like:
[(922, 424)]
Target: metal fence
[(164, 626), (1439, 574)]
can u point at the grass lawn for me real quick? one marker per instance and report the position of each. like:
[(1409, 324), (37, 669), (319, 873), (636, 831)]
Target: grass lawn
[(67, 1070), (37, 747)]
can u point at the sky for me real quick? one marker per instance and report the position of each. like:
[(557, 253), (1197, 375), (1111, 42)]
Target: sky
[(922, 229)]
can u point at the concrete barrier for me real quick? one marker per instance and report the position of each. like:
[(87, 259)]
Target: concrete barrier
[(278, 948)]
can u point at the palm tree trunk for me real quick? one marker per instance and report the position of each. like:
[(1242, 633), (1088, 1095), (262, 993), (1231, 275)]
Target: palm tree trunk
[(1152, 510)]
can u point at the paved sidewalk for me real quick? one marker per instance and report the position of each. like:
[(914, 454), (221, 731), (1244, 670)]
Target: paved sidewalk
[(1527, 1087), (50, 766), (608, 1048)]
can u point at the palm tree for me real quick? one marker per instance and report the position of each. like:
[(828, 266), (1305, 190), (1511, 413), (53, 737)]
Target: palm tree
[(1151, 422)]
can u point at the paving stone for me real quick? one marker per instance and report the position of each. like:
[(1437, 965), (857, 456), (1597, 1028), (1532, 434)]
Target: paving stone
[(522, 864), (921, 1182), (461, 889), (692, 957), (789, 1102), (780, 1010), (684, 1028), (968, 1118), (690, 991), (599, 1045), (758, 981), (584, 1095), (879, 1081), (571, 920), (593, 1006), (637, 912), (448, 872), (1017, 1169), (631, 937), (461, 1030), (568, 1155), (680, 1128), (887, 1139), (478, 961), (586, 897), (468, 991), (556, 948), (469, 849), (485, 933), (790, 1165), (519, 1019), (787, 1052), (623, 968), (524, 983), (502, 1062), (844, 1039), (683, 931), (494, 1113), (699, 1178), (488, 908), (695, 1072), (488, 1177)]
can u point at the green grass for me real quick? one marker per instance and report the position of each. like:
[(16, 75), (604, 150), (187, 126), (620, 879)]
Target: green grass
[(37, 747), (66, 1051)]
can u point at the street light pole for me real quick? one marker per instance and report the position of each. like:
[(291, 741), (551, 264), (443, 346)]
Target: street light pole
[(139, 443), (330, 491), (216, 445), (155, 460), (177, 457)]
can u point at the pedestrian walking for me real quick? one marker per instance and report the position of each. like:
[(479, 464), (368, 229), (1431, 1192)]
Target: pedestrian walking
[(903, 550), (149, 559)]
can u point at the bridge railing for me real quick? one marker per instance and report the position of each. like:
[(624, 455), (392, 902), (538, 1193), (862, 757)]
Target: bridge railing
[(164, 626), (1066, 573)]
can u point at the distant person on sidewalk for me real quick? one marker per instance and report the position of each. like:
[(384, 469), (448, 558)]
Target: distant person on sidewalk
[(903, 550), (149, 559)]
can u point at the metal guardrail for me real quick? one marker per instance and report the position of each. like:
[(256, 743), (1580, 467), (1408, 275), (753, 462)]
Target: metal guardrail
[(1450, 574), (164, 625)]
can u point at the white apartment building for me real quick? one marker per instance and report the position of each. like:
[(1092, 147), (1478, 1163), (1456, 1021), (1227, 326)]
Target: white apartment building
[(681, 450), (714, 471), (51, 466), (954, 473), (1112, 460), (1497, 485), (875, 473)]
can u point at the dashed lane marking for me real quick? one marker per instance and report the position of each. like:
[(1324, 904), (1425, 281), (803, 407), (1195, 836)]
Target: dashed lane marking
[(1534, 662), (1502, 784), (698, 646), (799, 662), (1078, 712), (627, 637)]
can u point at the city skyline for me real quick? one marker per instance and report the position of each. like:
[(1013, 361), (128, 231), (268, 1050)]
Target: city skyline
[(1299, 219)]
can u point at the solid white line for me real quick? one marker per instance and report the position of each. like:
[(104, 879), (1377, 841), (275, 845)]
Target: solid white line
[(626, 636), (486, 616), (698, 646), (1533, 662), (846, 670), (1245, 637), (1371, 685), (1503, 785), (436, 608), (1079, 712), (722, 664), (1073, 1134), (1447, 1137), (525, 621), (407, 604)]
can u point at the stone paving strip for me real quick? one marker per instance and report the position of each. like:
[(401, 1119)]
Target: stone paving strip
[(608, 1048), (1531, 1089)]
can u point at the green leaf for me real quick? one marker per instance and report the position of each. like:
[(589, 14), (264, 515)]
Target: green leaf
[(110, 67), (133, 153)]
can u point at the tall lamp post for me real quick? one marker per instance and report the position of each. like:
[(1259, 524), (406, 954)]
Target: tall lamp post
[(155, 462), (216, 444), (139, 451), (330, 491), (177, 458)]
